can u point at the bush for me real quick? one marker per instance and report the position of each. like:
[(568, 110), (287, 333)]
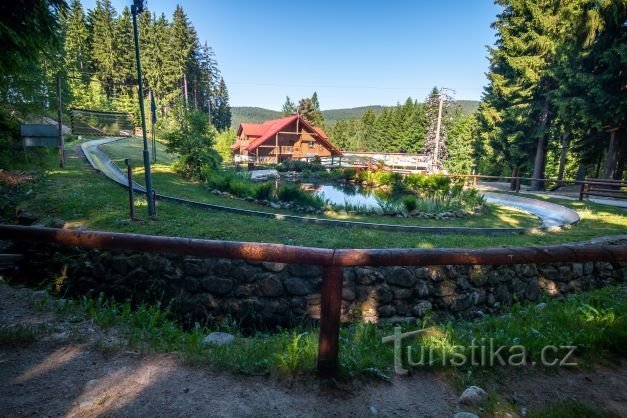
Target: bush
[(263, 191), (410, 203), (293, 193), (299, 166)]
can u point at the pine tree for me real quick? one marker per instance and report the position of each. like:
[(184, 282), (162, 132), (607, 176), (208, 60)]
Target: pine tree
[(460, 145), (102, 40), (435, 147), (183, 41), (222, 118), (289, 108), (76, 54)]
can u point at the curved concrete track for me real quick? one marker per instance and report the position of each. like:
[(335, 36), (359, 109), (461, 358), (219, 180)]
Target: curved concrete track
[(551, 214)]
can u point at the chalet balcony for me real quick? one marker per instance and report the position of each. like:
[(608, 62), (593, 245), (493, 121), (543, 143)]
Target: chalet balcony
[(283, 150)]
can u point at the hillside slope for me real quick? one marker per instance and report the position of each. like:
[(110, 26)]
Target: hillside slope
[(251, 114)]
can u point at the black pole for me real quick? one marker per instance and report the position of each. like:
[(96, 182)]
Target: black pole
[(149, 195)]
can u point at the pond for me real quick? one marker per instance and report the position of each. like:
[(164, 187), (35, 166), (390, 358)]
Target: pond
[(350, 195)]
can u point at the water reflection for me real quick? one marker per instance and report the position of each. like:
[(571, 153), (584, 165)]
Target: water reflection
[(350, 195)]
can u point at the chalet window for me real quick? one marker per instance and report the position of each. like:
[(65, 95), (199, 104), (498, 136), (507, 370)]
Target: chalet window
[(311, 144)]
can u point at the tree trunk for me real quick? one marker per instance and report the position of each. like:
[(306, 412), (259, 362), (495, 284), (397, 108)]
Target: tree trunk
[(512, 183), (612, 157), (581, 172), (622, 158), (185, 89), (564, 151), (538, 165)]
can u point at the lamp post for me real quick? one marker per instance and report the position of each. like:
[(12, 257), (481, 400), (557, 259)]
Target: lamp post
[(136, 8)]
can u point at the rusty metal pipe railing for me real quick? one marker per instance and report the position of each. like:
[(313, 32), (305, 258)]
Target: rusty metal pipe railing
[(332, 260)]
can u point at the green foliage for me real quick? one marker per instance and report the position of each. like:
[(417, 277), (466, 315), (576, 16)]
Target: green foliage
[(264, 191), (299, 166), (594, 321), (290, 192), (556, 70), (15, 335), (310, 110), (223, 143), (289, 108), (28, 30), (193, 140), (409, 203)]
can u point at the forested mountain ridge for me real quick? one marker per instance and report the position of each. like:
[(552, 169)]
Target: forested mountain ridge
[(252, 114)]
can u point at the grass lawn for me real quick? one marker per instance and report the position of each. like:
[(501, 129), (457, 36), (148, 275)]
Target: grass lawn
[(80, 195), (167, 182)]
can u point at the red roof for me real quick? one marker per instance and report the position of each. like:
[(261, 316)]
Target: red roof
[(261, 132)]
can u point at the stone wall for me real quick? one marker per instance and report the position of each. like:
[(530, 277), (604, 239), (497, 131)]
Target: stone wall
[(273, 293)]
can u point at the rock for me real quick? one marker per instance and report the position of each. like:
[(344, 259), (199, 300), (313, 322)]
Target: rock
[(274, 267), (473, 395), (422, 308), (303, 270), (348, 294), (373, 411), (39, 295), (386, 311), (422, 289), (533, 290), (195, 266), (367, 276), (401, 277), (275, 205), (222, 268), (217, 285), (271, 287), (402, 293), (384, 295), (541, 306), (219, 338), (296, 286), (465, 415)]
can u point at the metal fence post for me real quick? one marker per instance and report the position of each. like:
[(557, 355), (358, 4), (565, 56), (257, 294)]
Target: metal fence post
[(330, 312)]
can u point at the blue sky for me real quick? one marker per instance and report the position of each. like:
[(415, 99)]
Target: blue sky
[(353, 53)]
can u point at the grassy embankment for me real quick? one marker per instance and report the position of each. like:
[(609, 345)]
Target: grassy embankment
[(78, 194)]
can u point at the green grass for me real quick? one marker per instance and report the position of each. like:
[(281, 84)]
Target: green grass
[(570, 409), (79, 195), (16, 335), (168, 182), (595, 321)]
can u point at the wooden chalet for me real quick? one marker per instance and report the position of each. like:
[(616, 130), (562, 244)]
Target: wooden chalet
[(282, 139)]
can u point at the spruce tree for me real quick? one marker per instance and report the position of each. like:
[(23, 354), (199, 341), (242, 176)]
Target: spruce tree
[(76, 54), (289, 108), (435, 147), (222, 118), (102, 40)]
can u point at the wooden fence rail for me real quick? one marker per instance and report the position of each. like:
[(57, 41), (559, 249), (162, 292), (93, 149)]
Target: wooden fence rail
[(332, 261)]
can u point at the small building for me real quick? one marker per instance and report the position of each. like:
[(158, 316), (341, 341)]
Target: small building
[(282, 139)]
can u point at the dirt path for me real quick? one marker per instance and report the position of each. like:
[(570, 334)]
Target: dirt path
[(66, 372)]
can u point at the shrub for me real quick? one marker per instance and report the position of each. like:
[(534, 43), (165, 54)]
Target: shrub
[(263, 191), (240, 187), (410, 203), (299, 166), (293, 193)]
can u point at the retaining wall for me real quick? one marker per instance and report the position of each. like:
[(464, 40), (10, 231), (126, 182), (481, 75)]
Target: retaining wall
[(208, 289)]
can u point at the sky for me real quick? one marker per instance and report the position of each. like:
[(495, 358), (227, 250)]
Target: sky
[(352, 53)]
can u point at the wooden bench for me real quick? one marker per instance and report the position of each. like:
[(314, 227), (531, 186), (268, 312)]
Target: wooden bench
[(603, 188)]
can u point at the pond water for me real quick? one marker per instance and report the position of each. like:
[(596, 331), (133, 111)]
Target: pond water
[(350, 195)]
